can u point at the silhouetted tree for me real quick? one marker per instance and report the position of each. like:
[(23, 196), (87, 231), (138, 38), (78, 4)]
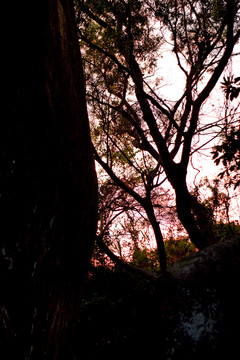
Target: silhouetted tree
[(48, 186), (139, 133)]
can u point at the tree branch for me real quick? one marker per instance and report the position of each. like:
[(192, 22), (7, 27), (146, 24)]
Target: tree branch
[(145, 143), (231, 41), (105, 249), (97, 19), (146, 110), (104, 52), (118, 181)]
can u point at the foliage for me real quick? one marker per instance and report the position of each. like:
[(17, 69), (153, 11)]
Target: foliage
[(217, 204), (230, 88), (143, 140), (215, 198), (227, 153), (146, 259), (227, 231), (194, 26), (176, 249)]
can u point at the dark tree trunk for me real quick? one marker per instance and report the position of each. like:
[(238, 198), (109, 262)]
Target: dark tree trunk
[(157, 232), (190, 212), (48, 191), (186, 217)]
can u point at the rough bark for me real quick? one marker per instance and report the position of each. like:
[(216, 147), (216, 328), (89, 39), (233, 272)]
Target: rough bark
[(48, 182)]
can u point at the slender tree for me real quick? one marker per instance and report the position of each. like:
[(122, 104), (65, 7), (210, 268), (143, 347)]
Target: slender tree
[(48, 197)]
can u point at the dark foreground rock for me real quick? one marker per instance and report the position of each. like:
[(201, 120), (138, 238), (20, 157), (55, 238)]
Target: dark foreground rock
[(191, 312), (198, 305)]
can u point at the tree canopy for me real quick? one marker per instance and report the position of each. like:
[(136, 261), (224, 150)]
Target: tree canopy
[(142, 138)]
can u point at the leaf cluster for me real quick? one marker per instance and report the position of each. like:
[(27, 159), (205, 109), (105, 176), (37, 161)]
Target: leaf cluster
[(226, 231), (231, 87), (176, 249), (228, 154), (118, 27), (214, 197)]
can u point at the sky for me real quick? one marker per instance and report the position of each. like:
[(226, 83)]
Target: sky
[(202, 164)]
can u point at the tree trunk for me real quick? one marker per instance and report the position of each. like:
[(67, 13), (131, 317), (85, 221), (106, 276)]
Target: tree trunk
[(48, 191), (190, 212), (186, 217), (158, 234)]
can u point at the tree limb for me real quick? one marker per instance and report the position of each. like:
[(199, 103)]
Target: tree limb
[(118, 181), (104, 52), (104, 248), (231, 41)]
